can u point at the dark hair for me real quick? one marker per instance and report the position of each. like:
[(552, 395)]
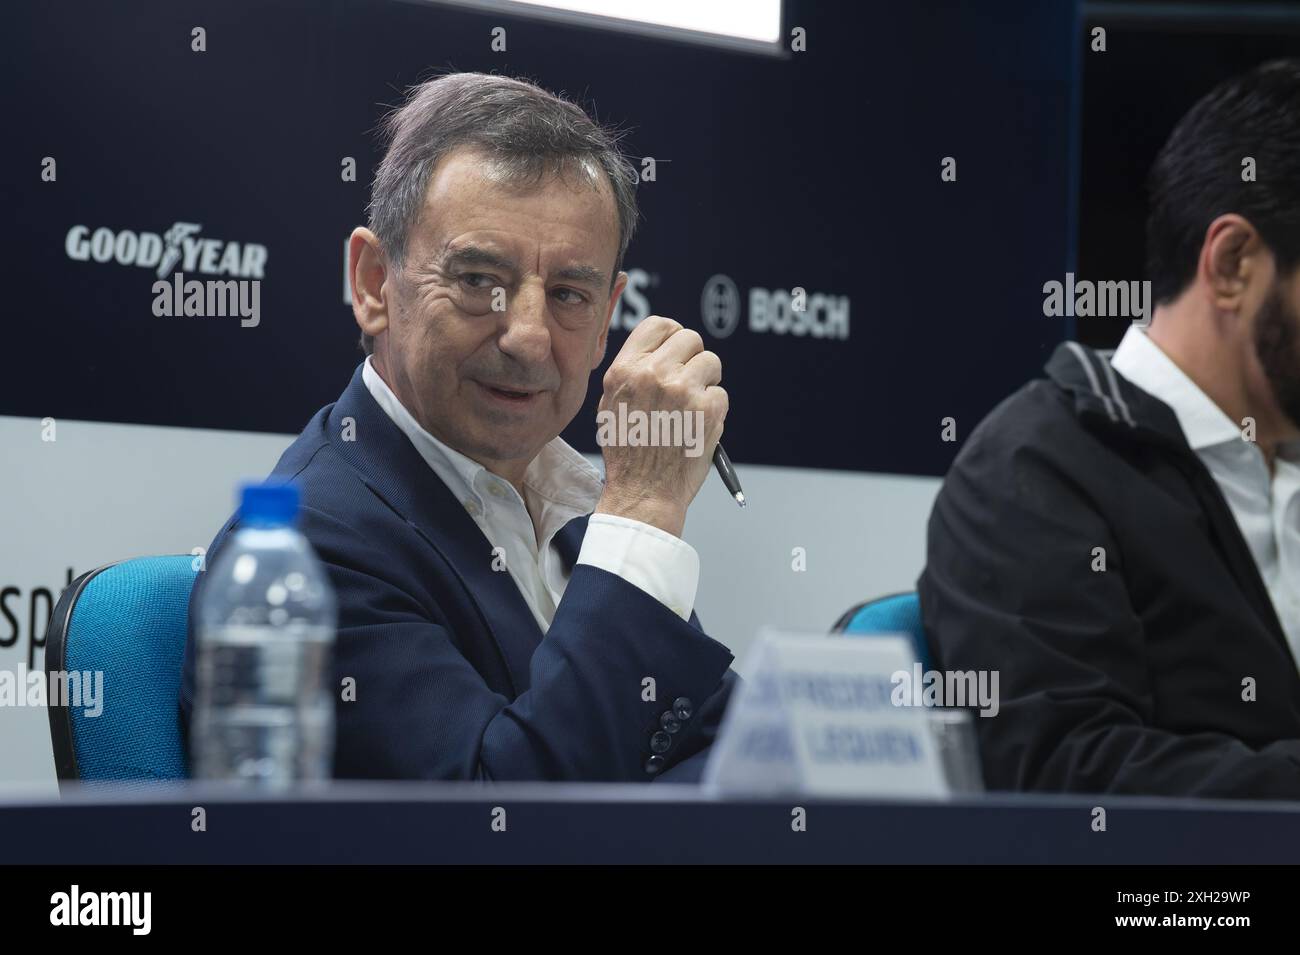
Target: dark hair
[(527, 131), (1197, 175)]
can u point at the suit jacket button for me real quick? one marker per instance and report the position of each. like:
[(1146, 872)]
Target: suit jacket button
[(683, 708), (660, 742), (655, 765), (669, 722)]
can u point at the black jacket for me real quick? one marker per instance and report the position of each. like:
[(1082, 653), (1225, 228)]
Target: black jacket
[(1127, 680)]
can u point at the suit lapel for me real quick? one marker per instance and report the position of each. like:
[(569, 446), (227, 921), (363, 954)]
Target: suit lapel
[(1157, 416), (568, 540), (394, 470), (1235, 550)]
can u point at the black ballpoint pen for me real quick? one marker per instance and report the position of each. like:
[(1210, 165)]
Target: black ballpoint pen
[(728, 474)]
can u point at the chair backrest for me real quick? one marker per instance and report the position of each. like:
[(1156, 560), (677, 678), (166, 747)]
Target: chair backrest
[(127, 621), (896, 613)]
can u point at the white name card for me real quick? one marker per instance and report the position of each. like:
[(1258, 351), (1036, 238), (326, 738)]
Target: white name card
[(817, 715)]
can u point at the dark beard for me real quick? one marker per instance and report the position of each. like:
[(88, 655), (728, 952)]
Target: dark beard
[(1277, 331)]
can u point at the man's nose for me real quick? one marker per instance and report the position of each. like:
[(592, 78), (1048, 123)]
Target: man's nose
[(526, 334)]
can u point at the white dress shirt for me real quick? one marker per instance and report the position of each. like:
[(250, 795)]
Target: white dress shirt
[(1266, 507), (559, 485)]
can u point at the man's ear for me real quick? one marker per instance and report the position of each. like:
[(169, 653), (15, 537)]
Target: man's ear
[(368, 273), (615, 294), (1232, 255)]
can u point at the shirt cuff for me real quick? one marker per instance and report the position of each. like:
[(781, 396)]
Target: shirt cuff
[(664, 566)]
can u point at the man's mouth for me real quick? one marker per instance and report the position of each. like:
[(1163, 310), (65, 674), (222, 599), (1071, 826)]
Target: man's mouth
[(508, 394)]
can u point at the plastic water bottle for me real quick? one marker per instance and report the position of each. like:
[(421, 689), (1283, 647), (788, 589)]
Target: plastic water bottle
[(264, 704)]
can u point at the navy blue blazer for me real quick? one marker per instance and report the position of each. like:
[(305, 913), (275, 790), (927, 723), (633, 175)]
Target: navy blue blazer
[(454, 678)]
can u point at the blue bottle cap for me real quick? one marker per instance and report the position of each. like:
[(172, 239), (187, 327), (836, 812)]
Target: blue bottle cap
[(268, 505)]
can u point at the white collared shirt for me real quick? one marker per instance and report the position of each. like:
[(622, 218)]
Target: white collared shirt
[(559, 485), (1266, 507)]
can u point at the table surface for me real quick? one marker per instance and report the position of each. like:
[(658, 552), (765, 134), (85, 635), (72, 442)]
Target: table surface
[(363, 822)]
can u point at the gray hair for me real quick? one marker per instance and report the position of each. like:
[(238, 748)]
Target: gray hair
[(528, 132)]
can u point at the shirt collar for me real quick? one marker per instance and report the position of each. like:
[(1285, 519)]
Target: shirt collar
[(562, 476), (558, 474), (1142, 362)]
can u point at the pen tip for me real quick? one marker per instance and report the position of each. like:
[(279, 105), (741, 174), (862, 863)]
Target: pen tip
[(740, 498)]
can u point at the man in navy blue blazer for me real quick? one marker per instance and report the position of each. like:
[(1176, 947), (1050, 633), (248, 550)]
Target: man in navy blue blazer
[(504, 613)]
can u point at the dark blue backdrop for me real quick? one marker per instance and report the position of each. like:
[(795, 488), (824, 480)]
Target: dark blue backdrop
[(818, 169)]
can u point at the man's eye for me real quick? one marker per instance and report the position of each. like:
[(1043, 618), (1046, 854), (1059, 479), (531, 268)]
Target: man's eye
[(576, 297), (470, 279)]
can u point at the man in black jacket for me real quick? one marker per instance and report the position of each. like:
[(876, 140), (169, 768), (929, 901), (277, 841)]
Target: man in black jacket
[(1121, 541)]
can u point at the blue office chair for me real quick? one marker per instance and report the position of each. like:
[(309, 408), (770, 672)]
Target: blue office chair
[(953, 730), (896, 613), (128, 620)]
